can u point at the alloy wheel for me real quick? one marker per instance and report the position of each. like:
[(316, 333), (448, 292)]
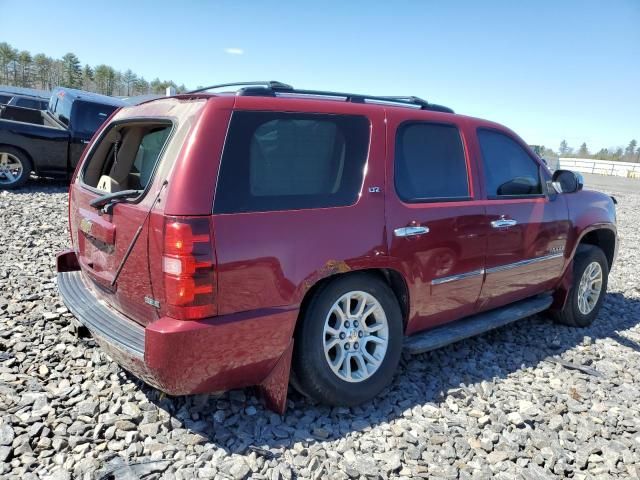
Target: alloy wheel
[(356, 336), (11, 169), (589, 288)]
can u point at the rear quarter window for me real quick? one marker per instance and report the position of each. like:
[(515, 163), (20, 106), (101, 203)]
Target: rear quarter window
[(28, 103), (290, 161)]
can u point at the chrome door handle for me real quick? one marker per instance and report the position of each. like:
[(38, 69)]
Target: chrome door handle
[(410, 231), (503, 222)]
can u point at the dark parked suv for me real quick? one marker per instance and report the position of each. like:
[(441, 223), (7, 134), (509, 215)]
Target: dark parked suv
[(219, 239)]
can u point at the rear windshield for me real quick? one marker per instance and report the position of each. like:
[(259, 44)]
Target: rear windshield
[(88, 116), (288, 161), (126, 156)]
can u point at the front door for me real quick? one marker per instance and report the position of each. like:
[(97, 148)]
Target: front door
[(527, 228), (436, 227)]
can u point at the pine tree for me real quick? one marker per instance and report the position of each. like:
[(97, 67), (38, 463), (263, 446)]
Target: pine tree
[(8, 56), (72, 76), (42, 70), (25, 63), (629, 152), (584, 151), (129, 80), (87, 78)]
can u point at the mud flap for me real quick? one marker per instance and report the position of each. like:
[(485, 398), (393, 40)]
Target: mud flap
[(273, 389), (561, 294)]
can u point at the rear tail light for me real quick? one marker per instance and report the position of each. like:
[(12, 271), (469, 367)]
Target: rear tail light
[(188, 268)]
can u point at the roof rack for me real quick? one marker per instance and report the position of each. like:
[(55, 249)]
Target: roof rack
[(268, 84), (274, 88)]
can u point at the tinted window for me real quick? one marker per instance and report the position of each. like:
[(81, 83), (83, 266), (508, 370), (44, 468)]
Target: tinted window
[(88, 117), (430, 163), (28, 103), (62, 108), (508, 168), (289, 161), (5, 98)]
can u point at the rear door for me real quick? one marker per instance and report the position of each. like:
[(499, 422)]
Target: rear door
[(528, 229), (435, 222), (298, 197), (125, 158)]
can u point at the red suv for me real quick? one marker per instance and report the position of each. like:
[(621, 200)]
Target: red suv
[(219, 239)]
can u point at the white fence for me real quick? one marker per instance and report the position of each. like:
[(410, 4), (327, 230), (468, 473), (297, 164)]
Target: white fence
[(602, 167)]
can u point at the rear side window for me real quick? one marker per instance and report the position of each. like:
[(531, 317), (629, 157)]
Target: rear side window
[(28, 103), (430, 163), (289, 161), (5, 99), (508, 169)]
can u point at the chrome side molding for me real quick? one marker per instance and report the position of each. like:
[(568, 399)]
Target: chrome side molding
[(500, 268), (453, 278), (522, 263)]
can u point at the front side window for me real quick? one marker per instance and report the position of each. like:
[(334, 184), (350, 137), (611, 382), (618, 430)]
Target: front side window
[(430, 163), (508, 169), (289, 161)]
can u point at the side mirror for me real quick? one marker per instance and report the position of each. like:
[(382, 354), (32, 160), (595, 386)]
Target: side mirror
[(567, 181)]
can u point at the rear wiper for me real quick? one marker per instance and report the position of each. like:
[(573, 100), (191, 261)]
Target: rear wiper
[(110, 197)]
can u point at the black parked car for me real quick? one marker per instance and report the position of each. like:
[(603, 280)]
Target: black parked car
[(50, 142)]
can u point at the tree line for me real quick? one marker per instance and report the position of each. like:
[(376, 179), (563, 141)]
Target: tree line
[(22, 69), (631, 153)]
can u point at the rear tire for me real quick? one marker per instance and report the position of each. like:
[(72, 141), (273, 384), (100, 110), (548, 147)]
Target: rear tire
[(349, 342), (15, 168), (590, 275)]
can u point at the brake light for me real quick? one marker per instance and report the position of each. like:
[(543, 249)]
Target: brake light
[(187, 265)]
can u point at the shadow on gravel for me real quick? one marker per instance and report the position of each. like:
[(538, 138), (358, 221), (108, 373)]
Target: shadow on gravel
[(42, 185), (237, 422)]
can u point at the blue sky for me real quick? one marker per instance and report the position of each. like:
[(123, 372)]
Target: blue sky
[(549, 70)]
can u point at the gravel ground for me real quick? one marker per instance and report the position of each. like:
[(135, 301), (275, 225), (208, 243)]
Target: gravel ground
[(502, 405)]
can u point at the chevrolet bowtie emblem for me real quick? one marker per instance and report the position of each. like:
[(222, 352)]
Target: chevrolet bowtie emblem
[(85, 226)]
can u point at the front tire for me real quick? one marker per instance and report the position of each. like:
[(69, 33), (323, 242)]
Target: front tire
[(590, 276), (15, 168), (350, 341)]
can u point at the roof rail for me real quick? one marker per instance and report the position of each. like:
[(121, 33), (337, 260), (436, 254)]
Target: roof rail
[(268, 84), (274, 88)]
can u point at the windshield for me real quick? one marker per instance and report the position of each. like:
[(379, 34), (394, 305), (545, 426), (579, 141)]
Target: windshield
[(88, 117)]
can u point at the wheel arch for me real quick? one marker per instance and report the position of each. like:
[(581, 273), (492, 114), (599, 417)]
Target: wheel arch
[(392, 277), (603, 238), (23, 151)]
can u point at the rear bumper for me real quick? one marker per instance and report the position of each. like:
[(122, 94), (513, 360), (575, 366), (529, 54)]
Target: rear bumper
[(101, 320), (184, 357)]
